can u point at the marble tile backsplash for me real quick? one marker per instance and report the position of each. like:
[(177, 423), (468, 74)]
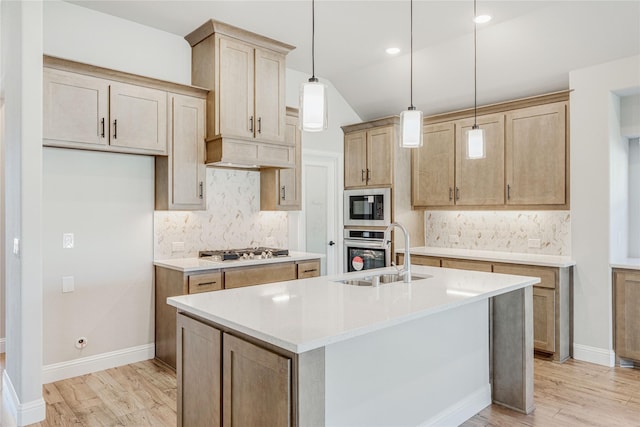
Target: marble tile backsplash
[(500, 231), (232, 220)]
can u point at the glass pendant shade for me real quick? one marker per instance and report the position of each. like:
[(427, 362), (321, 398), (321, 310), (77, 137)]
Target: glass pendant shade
[(411, 128), (313, 106), (475, 143)]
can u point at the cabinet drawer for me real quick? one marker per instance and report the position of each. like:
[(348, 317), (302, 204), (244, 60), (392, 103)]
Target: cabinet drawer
[(205, 282), (308, 269), (547, 275), (239, 277), (466, 265)]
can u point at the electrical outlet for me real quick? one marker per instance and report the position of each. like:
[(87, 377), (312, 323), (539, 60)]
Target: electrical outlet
[(454, 238), (67, 240), (534, 243), (177, 247), (16, 246), (68, 284)]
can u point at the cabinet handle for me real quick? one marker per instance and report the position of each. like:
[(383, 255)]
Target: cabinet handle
[(102, 123), (457, 193), (201, 190), (115, 129), (251, 124), (361, 174), (310, 271), (508, 192), (283, 193), (368, 175), (207, 283), (259, 124), (450, 194)]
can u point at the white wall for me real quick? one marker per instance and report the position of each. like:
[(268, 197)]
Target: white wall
[(634, 198), (630, 116), (21, 88), (112, 304), (594, 140)]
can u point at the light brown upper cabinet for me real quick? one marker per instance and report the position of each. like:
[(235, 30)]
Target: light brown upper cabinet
[(526, 163), (433, 166), (480, 182), (368, 157), (81, 111), (537, 155), (246, 106), (180, 177), (281, 189)]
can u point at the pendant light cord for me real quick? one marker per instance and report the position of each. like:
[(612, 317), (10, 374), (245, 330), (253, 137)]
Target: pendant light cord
[(313, 39), (411, 59), (475, 68)]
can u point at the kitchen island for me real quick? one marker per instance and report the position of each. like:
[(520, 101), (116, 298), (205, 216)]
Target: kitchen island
[(319, 352)]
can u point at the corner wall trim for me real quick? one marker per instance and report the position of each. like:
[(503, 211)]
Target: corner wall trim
[(21, 413), (463, 410), (95, 363), (599, 356)]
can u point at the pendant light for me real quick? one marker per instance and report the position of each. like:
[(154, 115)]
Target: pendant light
[(313, 94), (411, 119), (475, 136)]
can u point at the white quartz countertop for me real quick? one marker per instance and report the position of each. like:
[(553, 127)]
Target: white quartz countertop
[(628, 263), (301, 315), (199, 264), (494, 256)]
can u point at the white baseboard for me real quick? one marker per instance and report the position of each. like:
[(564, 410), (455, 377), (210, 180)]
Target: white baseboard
[(463, 410), (98, 362), (599, 356), (21, 414), (3, 342)]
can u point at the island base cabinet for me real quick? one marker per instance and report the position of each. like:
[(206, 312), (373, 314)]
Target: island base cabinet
[(198, 373), (256, 385)]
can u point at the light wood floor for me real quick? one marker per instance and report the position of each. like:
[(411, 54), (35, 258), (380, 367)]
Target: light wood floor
[(144, 394)]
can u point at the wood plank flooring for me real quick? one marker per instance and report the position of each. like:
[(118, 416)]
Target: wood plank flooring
[(144, 394)]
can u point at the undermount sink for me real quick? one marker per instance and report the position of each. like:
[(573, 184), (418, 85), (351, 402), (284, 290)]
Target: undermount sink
[(383, 278)]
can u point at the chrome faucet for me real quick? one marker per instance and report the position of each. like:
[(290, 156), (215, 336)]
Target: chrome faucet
[(406, 270)]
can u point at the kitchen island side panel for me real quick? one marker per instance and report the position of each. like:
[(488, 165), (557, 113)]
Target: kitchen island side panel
[(432, 370)]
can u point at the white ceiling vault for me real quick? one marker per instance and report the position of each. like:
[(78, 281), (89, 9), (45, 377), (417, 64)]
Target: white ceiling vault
[(528, 48)]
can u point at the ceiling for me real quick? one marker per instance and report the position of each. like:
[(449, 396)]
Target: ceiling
[(528, 48)]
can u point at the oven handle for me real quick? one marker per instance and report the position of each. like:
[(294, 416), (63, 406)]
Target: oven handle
[(376, 244)]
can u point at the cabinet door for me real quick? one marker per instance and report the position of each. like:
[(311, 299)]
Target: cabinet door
[(627, 316), (256, 385), (480, 182), (290, 191), (433, 167), (75, 109), (187, 169), (536, 145), (138, 118), (234, 97), (544, 319), (355, 159), (380, 157), (198, 373), (270, 95)]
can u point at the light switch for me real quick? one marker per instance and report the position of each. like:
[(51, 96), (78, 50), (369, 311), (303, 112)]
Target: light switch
[(454, 238), (68, 284), (534, 243), (67, 240), (16, 246)]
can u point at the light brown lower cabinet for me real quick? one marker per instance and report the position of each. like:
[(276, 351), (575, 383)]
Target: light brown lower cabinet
[(626, 296), (552, 300), (227, 381), (170, 283)]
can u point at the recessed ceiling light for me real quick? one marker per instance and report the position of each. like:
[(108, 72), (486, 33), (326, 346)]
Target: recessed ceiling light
[(482, 19), (393, 50)]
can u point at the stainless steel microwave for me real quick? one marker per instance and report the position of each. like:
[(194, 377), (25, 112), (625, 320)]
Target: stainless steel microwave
[(367, 207)]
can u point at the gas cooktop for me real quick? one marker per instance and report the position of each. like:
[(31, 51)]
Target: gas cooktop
[(246, 253)]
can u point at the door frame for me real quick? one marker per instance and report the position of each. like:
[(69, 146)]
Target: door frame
[(333, 162)]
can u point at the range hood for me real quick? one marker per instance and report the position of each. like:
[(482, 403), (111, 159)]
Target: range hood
[(248, 154)]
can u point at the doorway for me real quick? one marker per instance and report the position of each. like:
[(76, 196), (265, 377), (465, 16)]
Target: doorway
[(321, 206)]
